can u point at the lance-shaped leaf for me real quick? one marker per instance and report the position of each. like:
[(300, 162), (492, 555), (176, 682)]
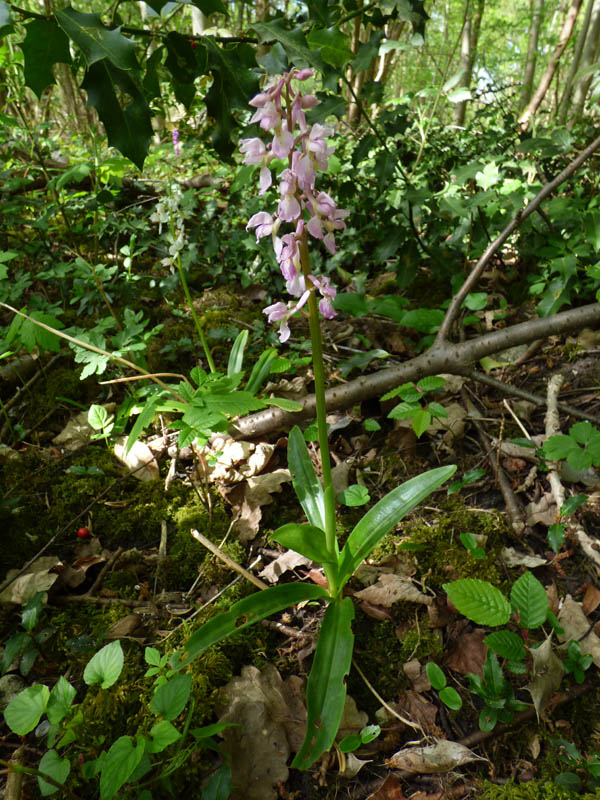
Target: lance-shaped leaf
[(44, 45), (236, 357), (305, 481), (244, 613), (128, 129), (95, 40), (307, 540), (326, 687), (382, 518)]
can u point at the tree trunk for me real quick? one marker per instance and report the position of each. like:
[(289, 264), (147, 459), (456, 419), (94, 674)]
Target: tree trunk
[(565, 35), (468, 50), (534, 35), (588, 57), (563, 108)]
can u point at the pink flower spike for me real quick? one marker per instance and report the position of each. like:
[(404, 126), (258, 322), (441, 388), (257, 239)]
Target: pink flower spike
[(263, 222), (296, 286), (266, 179), (254, 150), (303, 74), (283, 141), (276, 312), (259, 100), (315, 228), (329, 242), (326, 309)]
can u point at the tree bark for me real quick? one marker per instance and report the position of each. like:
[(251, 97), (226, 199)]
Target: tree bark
[(588, 57), (565, 35), (530, 61), (563, 107), (468, 51)]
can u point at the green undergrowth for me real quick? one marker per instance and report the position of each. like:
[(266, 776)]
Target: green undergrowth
[(532, 790)]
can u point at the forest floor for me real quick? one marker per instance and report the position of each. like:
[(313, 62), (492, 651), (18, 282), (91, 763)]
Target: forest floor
[(116, 556)]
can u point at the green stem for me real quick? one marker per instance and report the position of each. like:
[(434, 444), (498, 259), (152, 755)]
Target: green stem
[(188, 297), (321, 410)]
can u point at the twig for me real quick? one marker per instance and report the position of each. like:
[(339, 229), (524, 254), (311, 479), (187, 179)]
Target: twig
[(387, 706), (105, 568), (226, 560), (515, 223)]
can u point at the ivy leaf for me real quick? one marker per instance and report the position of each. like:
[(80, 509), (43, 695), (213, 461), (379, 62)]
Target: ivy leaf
[(571, 504), (96, 41), (128, 129), (23, 712), (105, 666), (44, 45), (118, 765), (354, 496)]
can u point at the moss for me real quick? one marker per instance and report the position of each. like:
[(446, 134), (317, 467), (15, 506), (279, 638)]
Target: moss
[(532, 790), (438, 551)]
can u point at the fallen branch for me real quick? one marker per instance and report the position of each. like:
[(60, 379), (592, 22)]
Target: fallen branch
[(442, 357)]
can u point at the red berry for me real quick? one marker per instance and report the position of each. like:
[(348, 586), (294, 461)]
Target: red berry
[(83, 533)]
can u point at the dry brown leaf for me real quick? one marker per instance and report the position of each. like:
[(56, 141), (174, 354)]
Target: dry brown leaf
[(513, 558), (269, 718), (389, 589), (468, 653), (552, 594), (390, 789), (38, 578), (140, 458), (576, 625), (352, 765), (591, 600), (417, 675), (419, 710), (442, 756), (286, 562), (131, 625), (548, 672), (232, 461), (543, 511), (375, 612), (78, 431), (247, 498)]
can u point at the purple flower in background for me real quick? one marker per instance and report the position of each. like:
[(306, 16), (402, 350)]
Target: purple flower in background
[(175, 136)]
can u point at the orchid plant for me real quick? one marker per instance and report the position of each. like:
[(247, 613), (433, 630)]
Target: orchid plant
[(305, 212)]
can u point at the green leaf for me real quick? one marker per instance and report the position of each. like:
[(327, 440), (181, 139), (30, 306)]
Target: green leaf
[(60, 701), (436, 675), (95, 40), (556, 536), (284, 403), (305, 481), (431, 383), (17, 643), (236, 357), (118, 766), (105, 666), (506, 644), (426, 320), (331, 44), (293, 42), (163, 734), (220, 785), (127, 124), (261, 370), (530, 601), (24, 711), (369, 733), (304, 539), (144, 419), (354, 496), (170, 698), (350, 743), (361, 360), (476, 301), (32, 611), (45, 44), (326, 687), (559, 446), (385, 514), (55, 767), (451, 698), (371, 425), (571, 504), (479, 601), (152, 656), (244, 613), (99, 418), (421, 421)]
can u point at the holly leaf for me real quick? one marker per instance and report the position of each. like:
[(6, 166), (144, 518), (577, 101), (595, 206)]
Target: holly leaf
[(293, 42), (128, 129), (44, 45), (332, 46), (95, 40), (207, 7)]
